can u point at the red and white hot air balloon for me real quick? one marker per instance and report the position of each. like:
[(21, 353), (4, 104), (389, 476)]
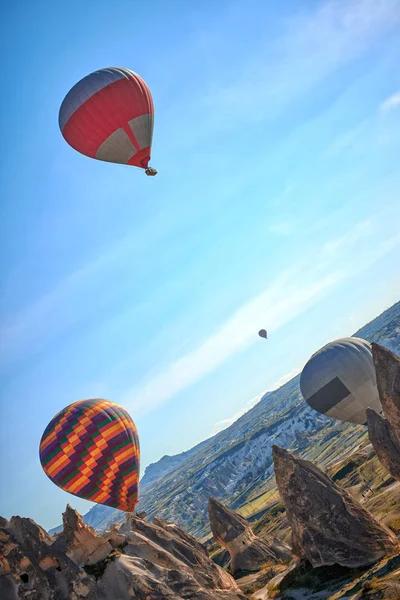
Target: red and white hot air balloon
[(109, 115)]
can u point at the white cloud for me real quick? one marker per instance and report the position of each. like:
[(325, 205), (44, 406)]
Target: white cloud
[(348, 139), (290, 295), (62, 306), (391, 102), (351, 237), (221, 425), (224, 423), (284, 379), (311, 47), (280, 302), (367, 136)]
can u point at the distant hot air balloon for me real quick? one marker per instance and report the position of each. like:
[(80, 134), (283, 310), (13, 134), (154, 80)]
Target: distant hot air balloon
[(91, 449), (340, 381), (109, 115), (262, 333)]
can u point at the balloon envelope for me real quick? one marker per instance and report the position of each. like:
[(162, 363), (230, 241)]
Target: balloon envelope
[(91, 449), (262, 333), (340, 381), (109, 115)]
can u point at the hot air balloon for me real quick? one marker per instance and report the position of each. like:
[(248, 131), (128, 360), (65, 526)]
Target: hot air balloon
[(109, 115), (340, 381), (91, 449), (262, 333)]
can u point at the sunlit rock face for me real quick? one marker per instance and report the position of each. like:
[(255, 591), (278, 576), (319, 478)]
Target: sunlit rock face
[(33, 566), (234, 533), (328, 525), (135, 560), (82, 545), (387, 367), (385, 443)]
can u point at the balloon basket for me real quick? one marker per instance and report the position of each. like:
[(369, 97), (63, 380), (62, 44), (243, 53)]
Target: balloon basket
[(150, 172)]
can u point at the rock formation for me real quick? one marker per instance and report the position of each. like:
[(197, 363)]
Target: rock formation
[(114, 537), (82, 545), (31, 567), (186, 537), (150, 561), (384, 441), (234, 533), (387, 367), (141, 515), (328, 525)]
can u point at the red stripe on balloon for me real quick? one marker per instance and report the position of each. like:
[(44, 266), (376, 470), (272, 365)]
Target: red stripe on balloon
[(106, 111), (141, 158), (132, 137)]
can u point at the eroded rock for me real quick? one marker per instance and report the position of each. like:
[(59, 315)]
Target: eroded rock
[(234, 533), (165, 547), (384, 442), (83, 545), (387, 367), (155, 563), (114, 537), (328, 525), (183, 535), (130, 577), (31, 567)]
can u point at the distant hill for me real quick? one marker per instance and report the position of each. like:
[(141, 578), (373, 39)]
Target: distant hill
[(235, 465), (384, 330), (165, 465)]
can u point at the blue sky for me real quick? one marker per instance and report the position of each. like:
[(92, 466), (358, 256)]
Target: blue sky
[(277, 142)]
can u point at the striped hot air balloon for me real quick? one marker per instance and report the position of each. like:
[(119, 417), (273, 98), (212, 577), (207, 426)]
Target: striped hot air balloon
[(109, 115), (91, 449), (340, 380)]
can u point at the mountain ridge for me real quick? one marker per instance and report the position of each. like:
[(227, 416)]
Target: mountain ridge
[(235, 465)]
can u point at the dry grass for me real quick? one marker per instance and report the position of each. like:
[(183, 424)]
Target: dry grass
[(260, 503), (360, 473), (363, 476), (379, 582)]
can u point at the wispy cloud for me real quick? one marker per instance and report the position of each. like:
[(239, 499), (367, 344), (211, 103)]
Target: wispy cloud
[(278, 76), (367, 135), (67, 302), (391, 102), (313, 45), (290, 295), (281, 301), (284, 379), (361, 230), (224, 423), (346, 140)]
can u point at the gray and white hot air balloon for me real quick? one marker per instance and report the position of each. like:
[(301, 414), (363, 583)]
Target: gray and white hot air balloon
[(339, 380)]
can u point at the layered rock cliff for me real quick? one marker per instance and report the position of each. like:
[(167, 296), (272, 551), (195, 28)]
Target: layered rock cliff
[(328, 525)]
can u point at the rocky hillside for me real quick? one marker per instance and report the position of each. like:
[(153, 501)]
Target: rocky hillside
[(235, 466), (160, 561), (338, 549), (139, 560), (384, 330), (331, 531)]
